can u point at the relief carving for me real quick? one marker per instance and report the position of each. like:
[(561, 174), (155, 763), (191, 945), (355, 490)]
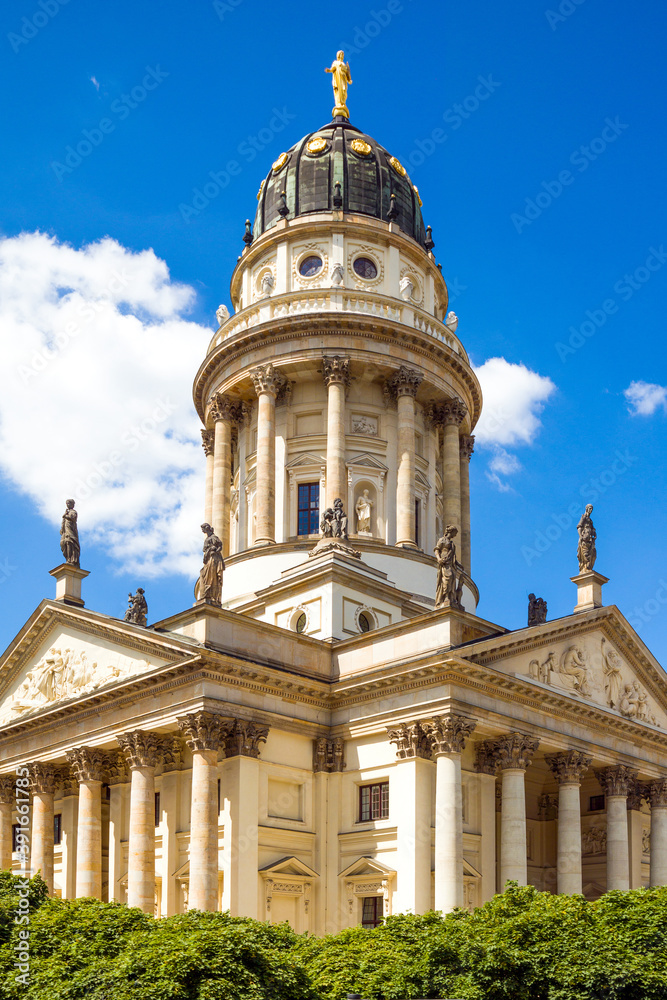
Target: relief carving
[(594, 841), (362, 424), (633, 704)]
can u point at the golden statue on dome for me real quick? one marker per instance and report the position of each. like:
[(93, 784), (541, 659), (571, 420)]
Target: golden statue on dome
[(341, 80)]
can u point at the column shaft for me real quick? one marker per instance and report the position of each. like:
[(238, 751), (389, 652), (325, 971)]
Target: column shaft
[(513, 849), (451, 486), (448, 833), (208, 439), (405, 485), (568, 864), (413, 806), (203, 886), (466, 449), (618, 868), (265, 496), (659, 845), (242, 847), (89, 840), (41, 849), (336, 472), (69, 808), (5, 834), (141, 848), (222, 474), (487, 787)]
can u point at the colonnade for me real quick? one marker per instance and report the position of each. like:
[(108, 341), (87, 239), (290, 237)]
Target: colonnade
[(207, 736), (442, 740), (225, 413)]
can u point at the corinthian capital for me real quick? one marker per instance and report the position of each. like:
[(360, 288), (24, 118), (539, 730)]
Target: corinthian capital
[(243, 739), (411, 741), (657, 793), (453, 411), (171, 751), (328, 755), (486, 757), (515, 751), (221, 407), (466, 445), (405, 382), (42, 778), (204, 730), (7, 788), (207, 441), (568, 768), (336, 370), (616, 780), (87, 763), (448, 733), (267, 379), (140, 748)]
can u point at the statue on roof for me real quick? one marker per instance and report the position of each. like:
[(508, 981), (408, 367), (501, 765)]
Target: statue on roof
[(137, 608), (586, 552), (449, 589), (209, 585), (341, 80), (69, 535), (537, 610)]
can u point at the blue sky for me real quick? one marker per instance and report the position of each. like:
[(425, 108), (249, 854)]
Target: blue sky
[(536, 137)]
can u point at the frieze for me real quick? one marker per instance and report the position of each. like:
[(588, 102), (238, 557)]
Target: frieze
[(594, 841)]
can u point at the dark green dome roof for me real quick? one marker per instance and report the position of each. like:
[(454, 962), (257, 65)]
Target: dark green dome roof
[(339, 154)]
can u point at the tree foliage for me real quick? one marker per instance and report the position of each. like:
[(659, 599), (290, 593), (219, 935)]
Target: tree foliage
[(522, 945)]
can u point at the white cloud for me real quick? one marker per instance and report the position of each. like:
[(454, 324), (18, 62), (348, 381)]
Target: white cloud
[(94, 83), (514, 398), (98, 358), (644, 398)]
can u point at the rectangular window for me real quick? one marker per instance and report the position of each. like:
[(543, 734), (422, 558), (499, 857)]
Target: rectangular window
[(308, 509), (374, 802), (157, 809), (417, 520), (596, 803), (57, 828), (15, 832), (371, 914)]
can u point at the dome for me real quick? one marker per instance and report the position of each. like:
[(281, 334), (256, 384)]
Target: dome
[(339, 154)]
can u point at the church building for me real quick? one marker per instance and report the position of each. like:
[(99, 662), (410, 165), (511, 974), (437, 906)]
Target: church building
[(336, 734)]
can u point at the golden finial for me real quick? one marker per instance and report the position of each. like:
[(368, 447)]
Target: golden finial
[(341, 79)]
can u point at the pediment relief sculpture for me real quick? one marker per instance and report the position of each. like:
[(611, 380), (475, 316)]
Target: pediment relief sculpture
[(64, 673)]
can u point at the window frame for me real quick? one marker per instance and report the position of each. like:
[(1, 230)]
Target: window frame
[(375, 804), (308, 510), (377, 903)]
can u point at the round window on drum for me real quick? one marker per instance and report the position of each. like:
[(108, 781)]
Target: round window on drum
[(365, 268)]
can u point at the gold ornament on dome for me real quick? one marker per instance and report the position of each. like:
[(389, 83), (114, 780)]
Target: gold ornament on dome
[(416, 191), (280, 162), (397, 165), (316, 145), (261, 188), (361, 147), (340, 71)]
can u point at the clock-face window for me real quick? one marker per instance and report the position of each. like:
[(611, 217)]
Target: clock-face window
[(310, 266), (365, 268)]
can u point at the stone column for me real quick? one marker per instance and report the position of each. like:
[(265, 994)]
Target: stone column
[(88, 765), (328, 765), (7, 800), (267, 382), (617, 782), (141, 751), (448, 734), (241, 770), (513, 754), (403, 386), (207, 443), (486, 766), (568, 769), (453, 412), (69, 808), (411, 807), (336, 372), (466, 448), (221, 412), (204, 734), (43, 784), (658, 799), (170, 800)]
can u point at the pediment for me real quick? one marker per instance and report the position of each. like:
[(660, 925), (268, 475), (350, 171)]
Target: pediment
[(69, 660), (592, 663), (289, 866), (367, 867), (470, 871), (366, 461), (305, 461)]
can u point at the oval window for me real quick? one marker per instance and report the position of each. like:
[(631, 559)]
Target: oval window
[(365, 268), (310, 265), (364, 624), (301, 622)]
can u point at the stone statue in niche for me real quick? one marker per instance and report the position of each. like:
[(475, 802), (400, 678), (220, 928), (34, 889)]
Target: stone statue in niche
[(222, 314), (267, 283), (406, 287), (363, 509), (69, 535), (137, 611), (613, 680), (209, 586), (449, 588), (573, 664), (452, 321), (586, 552), (537, 610)]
